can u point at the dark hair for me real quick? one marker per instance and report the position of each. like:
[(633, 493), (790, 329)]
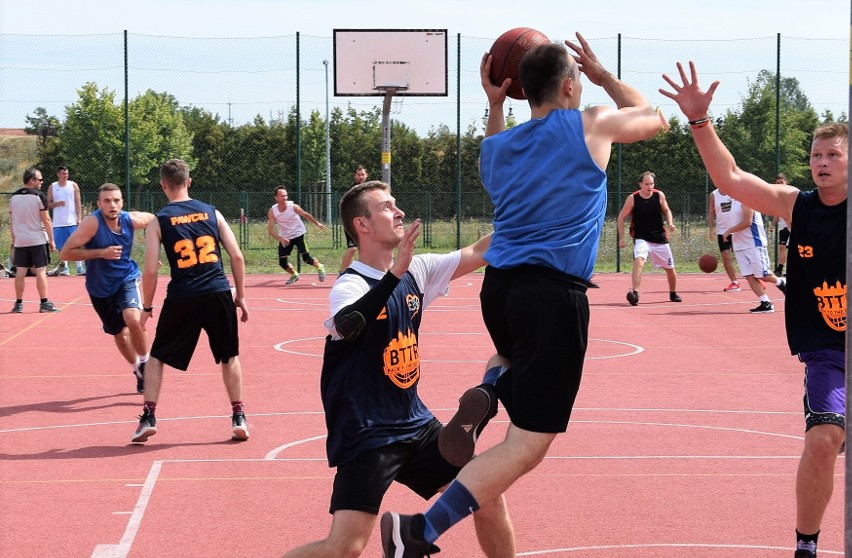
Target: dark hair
[(352, 205), (175, 173), (61, 168), (29, 174), (279, 187), (542, 71)]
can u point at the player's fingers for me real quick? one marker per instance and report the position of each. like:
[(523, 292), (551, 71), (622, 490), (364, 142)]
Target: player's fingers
[(671, 82), (485, 65), (712, 88), (682, 74)]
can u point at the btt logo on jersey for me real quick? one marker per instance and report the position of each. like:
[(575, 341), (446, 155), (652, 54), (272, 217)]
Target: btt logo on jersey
[(402, 360), (831, 302)]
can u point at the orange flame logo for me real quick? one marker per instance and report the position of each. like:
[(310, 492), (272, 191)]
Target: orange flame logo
[(402, 360), (831, 302)]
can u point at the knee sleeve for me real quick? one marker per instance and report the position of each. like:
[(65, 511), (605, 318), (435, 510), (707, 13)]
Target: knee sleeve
[(282, 261), (307, 258)]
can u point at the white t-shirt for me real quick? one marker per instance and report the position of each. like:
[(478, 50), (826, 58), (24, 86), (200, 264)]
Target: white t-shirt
[(432, 272), (64, 215), (724, 207)]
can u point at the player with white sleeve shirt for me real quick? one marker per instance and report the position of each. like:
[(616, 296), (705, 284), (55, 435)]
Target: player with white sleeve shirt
[(748, 237)]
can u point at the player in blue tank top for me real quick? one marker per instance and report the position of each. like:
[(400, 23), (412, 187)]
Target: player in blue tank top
[(815, 307), (198, 297), (105, 239), (547, 181)]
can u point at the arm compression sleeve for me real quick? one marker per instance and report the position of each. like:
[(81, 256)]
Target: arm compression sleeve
[(351, 320)]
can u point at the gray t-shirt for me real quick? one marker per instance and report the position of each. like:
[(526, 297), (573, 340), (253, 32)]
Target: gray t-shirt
[(25, 207)]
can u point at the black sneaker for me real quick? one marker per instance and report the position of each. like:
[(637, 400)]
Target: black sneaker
[(765, 307), (633, 297), (782, 286), (804, 554), (147, 427), (402, 536), (18, 308), (139, 372), (674, 297), (47, 306), (239, 428), (457, 440)]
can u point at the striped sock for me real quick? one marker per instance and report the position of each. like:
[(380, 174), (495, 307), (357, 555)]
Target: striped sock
[(455, 504)]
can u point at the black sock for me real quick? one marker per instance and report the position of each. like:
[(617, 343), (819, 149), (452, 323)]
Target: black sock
[(43, 300), (807, 542), (19, 301)]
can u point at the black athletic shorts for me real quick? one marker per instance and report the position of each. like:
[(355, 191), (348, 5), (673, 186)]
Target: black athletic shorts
[(784, 236), (538, 318), (31, 256), (724, 244), (181, 322), (361, 484)]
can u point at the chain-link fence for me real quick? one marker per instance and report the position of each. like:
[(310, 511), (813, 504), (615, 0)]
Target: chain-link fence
[(252, 113)]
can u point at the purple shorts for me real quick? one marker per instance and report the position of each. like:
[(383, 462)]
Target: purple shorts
[(825, 387)]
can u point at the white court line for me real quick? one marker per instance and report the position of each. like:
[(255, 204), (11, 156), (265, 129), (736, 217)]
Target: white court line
[(658, 545), (274, 452), (636, 349), (122, 549)]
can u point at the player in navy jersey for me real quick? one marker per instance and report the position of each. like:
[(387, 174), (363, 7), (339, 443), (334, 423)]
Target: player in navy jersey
[(815, 307), (379, 431), (105, 239), (198, 296)]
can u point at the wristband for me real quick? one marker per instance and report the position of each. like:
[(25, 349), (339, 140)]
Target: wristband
[(700, 123), (149, 309)]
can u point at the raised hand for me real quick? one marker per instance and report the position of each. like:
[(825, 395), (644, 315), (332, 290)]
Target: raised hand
[(693, 102), (587, 60)]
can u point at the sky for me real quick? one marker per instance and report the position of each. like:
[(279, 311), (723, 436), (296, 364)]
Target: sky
[(721, 36)]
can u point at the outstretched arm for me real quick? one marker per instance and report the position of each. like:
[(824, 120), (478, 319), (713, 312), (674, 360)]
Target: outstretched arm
[(752, 191), (473, 256), (307, 216), (634, 120)]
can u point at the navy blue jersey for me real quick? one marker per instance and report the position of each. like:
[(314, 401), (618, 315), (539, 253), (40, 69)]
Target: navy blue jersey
[(646, 220), (105, 276), (816, 302), (190, 235), (369, 384)]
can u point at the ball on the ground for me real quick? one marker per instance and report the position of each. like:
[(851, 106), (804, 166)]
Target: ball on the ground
[(506, 54), (708, 263)]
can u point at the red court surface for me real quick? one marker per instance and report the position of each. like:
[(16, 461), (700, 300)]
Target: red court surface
[(684, 441)]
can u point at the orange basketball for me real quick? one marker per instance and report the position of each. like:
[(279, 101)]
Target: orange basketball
[(708, 263), (507, 52)]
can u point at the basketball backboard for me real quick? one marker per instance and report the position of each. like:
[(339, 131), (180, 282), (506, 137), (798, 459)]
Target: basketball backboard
[(369, 62)]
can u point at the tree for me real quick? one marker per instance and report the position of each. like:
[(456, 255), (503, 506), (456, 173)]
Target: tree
[(43, 125), (157, 134), (92, 139)]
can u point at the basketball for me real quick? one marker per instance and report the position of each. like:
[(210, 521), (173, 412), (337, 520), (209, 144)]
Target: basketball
[(506, 54), (708, 263)]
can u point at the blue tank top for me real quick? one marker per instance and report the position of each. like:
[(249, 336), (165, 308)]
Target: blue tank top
[(190, 235), (549, 195), (104, 277), (369, 384)]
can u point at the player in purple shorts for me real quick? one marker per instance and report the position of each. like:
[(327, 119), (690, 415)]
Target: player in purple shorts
[(815, 287)]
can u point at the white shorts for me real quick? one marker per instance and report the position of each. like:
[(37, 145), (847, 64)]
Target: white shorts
[(661, 254), (753, 261)]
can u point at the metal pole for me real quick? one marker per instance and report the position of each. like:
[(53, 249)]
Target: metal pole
[(126, 127), (618, 176), (386, 136), (327, 151), (458, 141), (777, 129)]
